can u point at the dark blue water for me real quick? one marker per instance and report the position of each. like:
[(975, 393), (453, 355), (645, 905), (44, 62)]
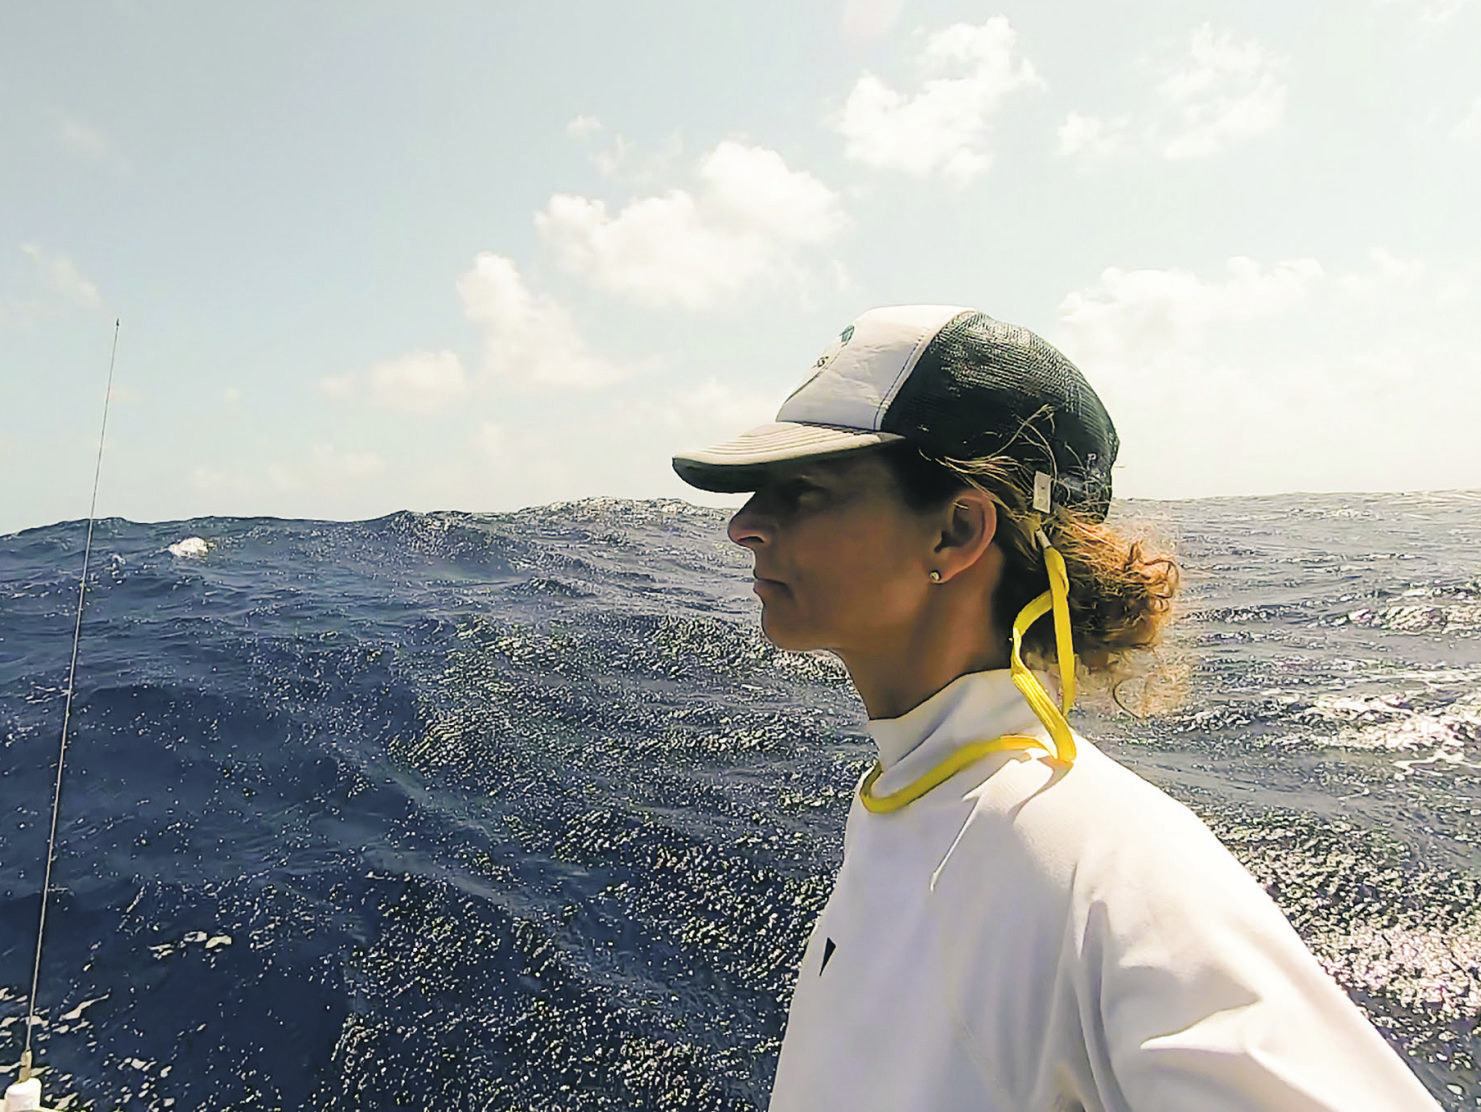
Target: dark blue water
[(519, 811)]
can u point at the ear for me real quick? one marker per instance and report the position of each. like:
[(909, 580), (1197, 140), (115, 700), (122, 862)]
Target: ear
[(968, 524)]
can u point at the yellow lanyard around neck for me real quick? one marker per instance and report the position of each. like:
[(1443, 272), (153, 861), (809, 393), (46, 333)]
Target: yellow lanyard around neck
[(958, 760), (1056, 599)]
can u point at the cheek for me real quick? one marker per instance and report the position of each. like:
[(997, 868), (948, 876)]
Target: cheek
[(893, 596), (870, 577)]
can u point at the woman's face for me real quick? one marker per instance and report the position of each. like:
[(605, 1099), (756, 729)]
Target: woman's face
[(842, 562)]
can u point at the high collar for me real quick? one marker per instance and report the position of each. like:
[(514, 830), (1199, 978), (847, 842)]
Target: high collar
[(974, 707)]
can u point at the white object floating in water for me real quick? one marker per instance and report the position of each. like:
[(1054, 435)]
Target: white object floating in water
[(24, 1096), (191, 548)]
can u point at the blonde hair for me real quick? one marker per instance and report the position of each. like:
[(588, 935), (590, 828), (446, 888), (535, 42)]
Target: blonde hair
[(1122, 588)]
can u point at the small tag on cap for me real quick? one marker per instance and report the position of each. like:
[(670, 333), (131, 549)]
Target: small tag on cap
[(1042, 486)]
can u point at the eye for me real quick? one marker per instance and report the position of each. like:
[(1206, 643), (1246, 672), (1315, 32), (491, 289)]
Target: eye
[(799, 487), (788, 494)]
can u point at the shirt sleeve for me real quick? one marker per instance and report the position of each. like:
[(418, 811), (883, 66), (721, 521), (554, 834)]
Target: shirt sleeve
[(1194, 992), (1105, 951)]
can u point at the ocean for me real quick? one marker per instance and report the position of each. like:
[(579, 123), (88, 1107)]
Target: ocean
[(519, 811)]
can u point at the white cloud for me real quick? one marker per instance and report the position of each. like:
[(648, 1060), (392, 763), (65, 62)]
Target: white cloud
[(214, 480), (231, 396), (80, 138), (748, 220), (944, 128), (529, 340), (623, 162), (1223, 92), (340, 387), (657, 250), (1430, 11), (493, 443), (331, 462), (751, 189), (1468, 130), (1092, 136), (866, 21), (613, 162), (581, 127), (620, 160), (621, 449), (63, 276), (327, 466), (418, 382), (1227, 92), (1134, 314), (702, 414), (1440, 10), (1386, 272), (1281, 377), (21, 313), (550, 453)]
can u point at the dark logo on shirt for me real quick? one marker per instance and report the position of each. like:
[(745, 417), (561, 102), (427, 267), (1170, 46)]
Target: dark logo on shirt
[(828, 947)]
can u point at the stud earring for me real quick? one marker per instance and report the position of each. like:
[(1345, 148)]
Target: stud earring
[(935, 576)]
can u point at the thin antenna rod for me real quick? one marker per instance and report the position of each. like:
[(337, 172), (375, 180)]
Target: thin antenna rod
[(56, 795)]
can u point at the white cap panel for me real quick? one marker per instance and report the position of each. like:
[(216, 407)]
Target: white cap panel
[(856, 378)]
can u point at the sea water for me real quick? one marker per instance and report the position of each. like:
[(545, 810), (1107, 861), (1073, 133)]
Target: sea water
[(519, 811)]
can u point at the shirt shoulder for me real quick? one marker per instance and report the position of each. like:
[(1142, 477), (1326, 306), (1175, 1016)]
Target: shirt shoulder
[(1125, 934)]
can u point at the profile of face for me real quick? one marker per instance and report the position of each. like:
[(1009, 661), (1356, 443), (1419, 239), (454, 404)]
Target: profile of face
[(842, 562)]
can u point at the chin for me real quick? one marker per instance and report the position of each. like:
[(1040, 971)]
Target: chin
[(784, 636)]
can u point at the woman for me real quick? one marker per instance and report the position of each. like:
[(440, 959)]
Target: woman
[(1019, 922)]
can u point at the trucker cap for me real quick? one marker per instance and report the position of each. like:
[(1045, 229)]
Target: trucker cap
[(954, 382)]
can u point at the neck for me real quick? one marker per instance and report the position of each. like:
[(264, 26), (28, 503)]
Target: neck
[(953, 636)]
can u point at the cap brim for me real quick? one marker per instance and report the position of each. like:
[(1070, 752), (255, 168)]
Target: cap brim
[(741, 464)]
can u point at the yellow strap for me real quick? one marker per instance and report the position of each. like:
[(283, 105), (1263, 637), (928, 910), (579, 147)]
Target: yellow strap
[(1064, 646), (959, 759), (1057, 600)]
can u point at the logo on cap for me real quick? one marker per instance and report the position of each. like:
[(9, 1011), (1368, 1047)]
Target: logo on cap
[(832, 350), (829, 354)]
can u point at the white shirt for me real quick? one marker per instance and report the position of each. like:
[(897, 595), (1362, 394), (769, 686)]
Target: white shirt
[(1031, 936)]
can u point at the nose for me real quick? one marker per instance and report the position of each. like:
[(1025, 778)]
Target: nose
[(749, 528)]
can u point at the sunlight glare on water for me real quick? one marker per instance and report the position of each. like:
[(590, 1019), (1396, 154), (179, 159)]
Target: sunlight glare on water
[(520, 810)]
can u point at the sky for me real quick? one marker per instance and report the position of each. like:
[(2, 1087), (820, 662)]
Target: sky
[(458, 255)]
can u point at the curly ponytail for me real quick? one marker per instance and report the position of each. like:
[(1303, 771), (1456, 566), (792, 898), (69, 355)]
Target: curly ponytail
[(1121, 589)]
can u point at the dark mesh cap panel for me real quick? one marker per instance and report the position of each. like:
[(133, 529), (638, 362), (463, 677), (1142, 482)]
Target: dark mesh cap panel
[(986, 388)]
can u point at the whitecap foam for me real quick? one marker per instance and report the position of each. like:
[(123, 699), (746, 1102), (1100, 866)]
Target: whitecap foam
[(1390, 722), (189, 548), (1340, 707), (1430, 969), (1447, 617), (1446, 735)]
